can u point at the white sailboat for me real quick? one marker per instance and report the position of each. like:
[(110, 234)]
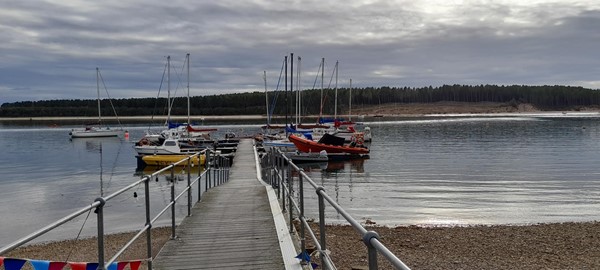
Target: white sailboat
[(91, 131)]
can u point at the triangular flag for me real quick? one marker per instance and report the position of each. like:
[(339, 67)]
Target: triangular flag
[(121, 265), (77, 265), (314, 265), (112, 266), (40, 265), (1, 260), (13, 264), (57, 265), (91, 266), (303, 255), (135, 265)]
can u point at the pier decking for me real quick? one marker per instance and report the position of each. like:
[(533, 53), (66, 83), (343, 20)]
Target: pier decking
[(231, 228)]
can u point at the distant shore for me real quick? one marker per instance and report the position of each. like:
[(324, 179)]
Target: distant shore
[(384, 110)]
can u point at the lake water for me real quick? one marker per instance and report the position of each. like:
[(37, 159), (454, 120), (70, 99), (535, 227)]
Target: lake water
[(513, 169)]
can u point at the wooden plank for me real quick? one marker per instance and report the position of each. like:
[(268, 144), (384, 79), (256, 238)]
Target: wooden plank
[(231, 228)]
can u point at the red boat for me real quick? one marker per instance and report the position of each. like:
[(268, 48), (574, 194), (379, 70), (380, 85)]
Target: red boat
[(308, 146)]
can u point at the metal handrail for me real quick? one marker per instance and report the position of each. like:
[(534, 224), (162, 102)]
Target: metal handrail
[(99, 203), (370, 238)]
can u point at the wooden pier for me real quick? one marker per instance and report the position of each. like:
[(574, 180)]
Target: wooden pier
[(233, 227)]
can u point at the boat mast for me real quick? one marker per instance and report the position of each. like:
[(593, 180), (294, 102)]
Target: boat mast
[(168, 89), (188, 87), (286, 93), (266, 99), (350, 102), (336, 96), (98, 93), (322, 78), (291, 73), (298, 93)]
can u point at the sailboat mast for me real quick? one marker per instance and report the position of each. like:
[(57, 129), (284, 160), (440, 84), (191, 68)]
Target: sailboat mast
[(322, 79), (188, 87), (298, 94), (350, 102), (98, 93), (168, 89), (291, 73), (336, 96), (286, 93), (266, 99)]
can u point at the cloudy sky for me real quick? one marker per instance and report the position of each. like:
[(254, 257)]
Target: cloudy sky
[(50, 49)]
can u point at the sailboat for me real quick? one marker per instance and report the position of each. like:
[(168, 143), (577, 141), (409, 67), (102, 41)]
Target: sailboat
[(91, 131)]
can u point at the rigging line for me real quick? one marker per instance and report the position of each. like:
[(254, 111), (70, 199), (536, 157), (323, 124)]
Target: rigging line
[(78, 234), (276, 92), (109, 99), (317, 77), (178, 82), (114, 166), (157, 96)]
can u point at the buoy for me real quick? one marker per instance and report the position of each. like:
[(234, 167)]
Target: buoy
[(126, 135)]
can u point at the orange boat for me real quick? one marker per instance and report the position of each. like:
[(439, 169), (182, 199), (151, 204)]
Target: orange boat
[(308, 146)]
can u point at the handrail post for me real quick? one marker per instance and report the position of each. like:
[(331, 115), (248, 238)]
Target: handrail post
[(372, 252), (200, 176), (322, 223), (189, 184), (173, 202), (100, 220), (208, 171), (301, 196), (290, 181), (282, 184), (148, 222)]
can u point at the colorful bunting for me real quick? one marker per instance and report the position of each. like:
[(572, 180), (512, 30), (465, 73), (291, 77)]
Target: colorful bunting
[(303, 256), (17, 264), (13, 264)]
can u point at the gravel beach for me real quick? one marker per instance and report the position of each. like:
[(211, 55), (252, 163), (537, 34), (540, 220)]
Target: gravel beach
[(540, 246)]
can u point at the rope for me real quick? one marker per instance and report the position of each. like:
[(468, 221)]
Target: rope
[(78, 234), (110, 99)]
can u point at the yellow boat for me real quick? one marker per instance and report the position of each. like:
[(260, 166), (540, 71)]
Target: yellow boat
[(165, 160)]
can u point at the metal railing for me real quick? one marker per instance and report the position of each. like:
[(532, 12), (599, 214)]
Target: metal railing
[(278, 173), (216, 173)]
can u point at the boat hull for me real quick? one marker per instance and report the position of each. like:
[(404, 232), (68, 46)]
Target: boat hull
[(165, 160), (307, 146), (94, 133)]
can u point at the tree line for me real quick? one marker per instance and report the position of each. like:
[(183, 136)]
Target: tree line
[(314, 102)]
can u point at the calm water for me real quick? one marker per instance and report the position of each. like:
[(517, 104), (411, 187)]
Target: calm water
[(440, 171)]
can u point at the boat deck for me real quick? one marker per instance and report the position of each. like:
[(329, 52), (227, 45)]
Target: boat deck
[(231, 228)]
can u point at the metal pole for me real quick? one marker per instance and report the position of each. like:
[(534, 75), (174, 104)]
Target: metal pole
[(100, 218), (148, 222), (301, 196), (189, 184), (200, 176), (322, 222), (372, 252), (283, 181), (208, 171), (173, 202), (291, 191)]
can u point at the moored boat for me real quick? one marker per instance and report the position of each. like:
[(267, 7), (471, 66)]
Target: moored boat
[(164, 160), (308, 146)]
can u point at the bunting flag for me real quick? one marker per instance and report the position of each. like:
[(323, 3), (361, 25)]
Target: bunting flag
[(17, 264), (77, 265), (303, 256), (314, 265), (13, 264), (135, 265)]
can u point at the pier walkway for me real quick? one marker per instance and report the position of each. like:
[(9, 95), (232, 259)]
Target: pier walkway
[(232, 227)]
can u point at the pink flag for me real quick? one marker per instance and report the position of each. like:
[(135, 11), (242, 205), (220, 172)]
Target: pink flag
[(1, 260)]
